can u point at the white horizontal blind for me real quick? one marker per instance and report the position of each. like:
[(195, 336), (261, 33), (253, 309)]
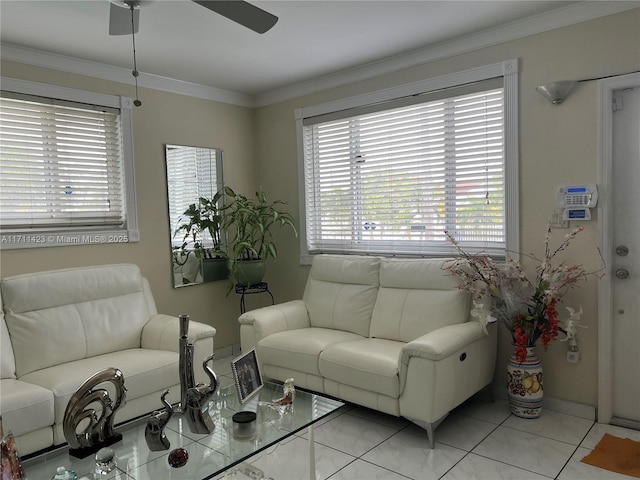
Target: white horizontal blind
[(391, 181), (60, 165), (191, 174)]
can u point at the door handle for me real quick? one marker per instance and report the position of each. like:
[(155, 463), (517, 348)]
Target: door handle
[(622, 273), (622, 250)]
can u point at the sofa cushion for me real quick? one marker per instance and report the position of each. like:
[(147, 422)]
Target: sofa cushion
[(299, 349), (404, 315), (67, 315), (341, 291), (7, 361), (415, 298), (25, 407), (145, 371), (370, 364), (419, 273)]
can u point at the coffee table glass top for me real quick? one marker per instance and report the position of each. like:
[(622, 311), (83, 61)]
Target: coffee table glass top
[(209, 455)]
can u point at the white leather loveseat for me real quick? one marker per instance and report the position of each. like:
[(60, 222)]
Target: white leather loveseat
[(395, 335), (60, 327)]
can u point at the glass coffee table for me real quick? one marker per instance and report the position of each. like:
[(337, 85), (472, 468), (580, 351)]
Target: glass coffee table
[(210, 456)]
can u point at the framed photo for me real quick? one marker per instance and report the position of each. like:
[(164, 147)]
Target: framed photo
[(246, 373)]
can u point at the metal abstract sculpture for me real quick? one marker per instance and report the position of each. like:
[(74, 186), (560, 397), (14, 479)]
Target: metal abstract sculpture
[(197, 413), (194, 399), (96, 425), (154, 431)]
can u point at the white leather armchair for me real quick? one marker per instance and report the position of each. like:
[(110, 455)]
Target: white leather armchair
[(60, 327)]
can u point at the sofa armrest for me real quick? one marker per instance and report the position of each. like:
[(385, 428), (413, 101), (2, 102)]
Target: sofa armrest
[(443, 342), (443, 368), (162, 332), (262, 322)]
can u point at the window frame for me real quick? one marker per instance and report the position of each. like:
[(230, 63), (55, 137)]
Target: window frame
[(508, 70), (66, 236)]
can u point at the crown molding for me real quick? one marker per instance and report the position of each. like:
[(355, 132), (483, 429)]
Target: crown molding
[(558, 18), (40, 58), (554, 19)]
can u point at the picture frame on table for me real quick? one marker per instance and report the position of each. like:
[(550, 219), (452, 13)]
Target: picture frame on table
[(247, 375)]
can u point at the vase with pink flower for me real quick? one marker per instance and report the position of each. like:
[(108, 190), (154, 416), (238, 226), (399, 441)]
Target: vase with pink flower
[(528, 307)]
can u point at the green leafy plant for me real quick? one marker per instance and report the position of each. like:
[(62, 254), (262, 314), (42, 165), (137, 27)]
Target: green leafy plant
[(248, 223), (200, 218)]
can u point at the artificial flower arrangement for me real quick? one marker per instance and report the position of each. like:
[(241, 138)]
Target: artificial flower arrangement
[(528, 308)]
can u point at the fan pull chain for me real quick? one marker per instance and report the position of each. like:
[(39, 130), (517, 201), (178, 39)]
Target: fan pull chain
[(135, 72)]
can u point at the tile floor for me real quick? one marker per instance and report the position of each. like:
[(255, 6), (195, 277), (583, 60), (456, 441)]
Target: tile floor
[(479, 440)]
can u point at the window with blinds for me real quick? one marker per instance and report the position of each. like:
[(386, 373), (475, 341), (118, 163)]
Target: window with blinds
[(390, 178), (62, 172)]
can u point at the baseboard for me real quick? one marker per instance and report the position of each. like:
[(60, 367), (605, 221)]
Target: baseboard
[(579, 410), (570, 408)]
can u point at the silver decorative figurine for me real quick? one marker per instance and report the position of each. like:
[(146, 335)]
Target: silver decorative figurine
[(154, 431), (197, 413), (194, 399), (99, 431)]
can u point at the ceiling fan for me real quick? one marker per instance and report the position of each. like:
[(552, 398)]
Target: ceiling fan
[(244, 13), (124, 18)]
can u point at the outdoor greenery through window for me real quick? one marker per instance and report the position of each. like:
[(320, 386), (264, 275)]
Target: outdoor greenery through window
[(62, 171), (389, 178)]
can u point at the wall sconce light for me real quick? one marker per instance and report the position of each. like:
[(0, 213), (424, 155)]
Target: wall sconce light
[(556, 92)]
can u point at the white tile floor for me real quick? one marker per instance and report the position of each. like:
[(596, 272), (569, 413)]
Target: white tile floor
[(479, 440)]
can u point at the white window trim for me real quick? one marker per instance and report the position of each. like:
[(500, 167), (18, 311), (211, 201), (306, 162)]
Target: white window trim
[(508, 69), (90, 236)]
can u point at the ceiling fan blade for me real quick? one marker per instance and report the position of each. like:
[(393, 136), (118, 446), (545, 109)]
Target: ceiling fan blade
[(120, 20), (242, 12)]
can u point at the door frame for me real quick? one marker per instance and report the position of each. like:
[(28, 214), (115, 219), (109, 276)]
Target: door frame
[(606, 88)]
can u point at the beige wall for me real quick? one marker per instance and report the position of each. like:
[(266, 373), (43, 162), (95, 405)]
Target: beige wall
[(163, 118), (558, 146)]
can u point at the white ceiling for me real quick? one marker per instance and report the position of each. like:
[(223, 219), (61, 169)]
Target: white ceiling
[(179, 39)]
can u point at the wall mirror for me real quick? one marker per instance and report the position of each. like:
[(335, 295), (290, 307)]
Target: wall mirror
[(194, 175)]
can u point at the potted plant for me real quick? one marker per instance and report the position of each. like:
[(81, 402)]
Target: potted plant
[(248, 223), (201, 219), (527, 305)]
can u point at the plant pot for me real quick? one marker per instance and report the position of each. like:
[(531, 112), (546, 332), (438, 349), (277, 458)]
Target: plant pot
[(214, 269), (524, 385), (250, 272)]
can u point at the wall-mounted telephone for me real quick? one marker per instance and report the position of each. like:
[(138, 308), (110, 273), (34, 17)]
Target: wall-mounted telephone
[(577, 200)]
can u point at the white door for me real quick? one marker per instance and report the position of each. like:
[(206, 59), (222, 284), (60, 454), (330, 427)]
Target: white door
[(625, 258)]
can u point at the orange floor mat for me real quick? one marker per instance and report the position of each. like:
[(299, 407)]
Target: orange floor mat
[(620, 455)]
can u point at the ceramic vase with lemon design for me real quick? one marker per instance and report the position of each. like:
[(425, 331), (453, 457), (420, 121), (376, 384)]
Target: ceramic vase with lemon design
[(524, 385)]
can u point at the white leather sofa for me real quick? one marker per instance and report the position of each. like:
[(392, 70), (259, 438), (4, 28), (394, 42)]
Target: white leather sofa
[(60, 327), (395, 335)]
